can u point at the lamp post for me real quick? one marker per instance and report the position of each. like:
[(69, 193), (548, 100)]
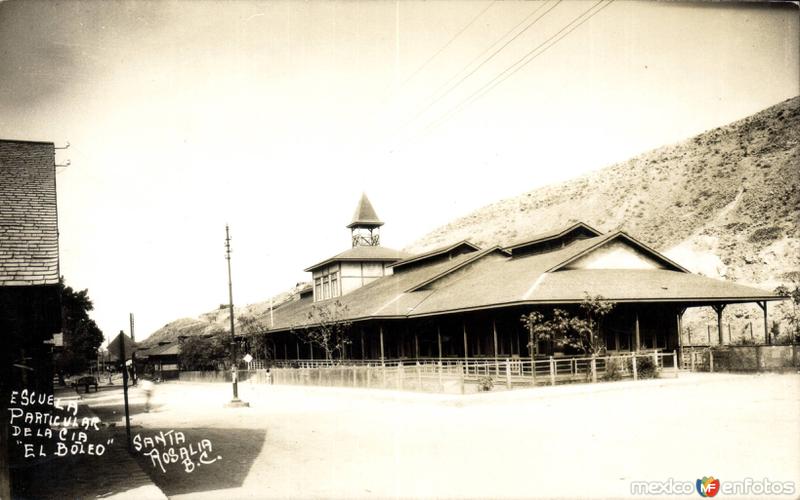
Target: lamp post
[(235, 402)]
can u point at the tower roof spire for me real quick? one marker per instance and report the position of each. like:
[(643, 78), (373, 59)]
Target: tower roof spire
[(365, 215)]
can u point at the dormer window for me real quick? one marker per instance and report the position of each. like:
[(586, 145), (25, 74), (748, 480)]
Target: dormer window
[(326, 284)]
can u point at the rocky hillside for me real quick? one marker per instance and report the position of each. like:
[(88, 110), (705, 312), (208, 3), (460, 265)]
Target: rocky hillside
[(725, 203), (217, 321)]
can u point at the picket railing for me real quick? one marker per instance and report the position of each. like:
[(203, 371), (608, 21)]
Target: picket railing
[(418, 374)]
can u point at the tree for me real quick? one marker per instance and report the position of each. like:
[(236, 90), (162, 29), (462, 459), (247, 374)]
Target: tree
[(580, 331), (792, 315), (82, 336), (254, 329), (328, 329), (202, 353)]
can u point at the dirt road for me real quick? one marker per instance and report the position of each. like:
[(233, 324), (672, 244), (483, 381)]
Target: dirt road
[(582, 440)]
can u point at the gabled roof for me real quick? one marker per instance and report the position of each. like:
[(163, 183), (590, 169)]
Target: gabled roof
[(553, 235), (365, 215), (114, 345), (437, 252), (621, 235), (470, 258), (364, 254), (170, 349), (491, 279), (384, 297), (28, 214)]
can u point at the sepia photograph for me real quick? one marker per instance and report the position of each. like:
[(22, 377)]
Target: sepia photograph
[(406, 249)]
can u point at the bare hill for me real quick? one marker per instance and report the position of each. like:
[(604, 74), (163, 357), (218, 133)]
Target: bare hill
[(724, 203), (217, 321)]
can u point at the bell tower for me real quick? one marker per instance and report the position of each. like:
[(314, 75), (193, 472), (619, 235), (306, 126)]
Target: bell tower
[(365, 226)]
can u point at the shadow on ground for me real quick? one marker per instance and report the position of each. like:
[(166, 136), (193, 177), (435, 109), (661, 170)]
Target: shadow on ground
[(46, 475), (231, 455), (238, 449)]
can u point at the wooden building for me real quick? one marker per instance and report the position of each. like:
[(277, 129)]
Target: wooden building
[(30, 297), (161, 361), (463, 301)]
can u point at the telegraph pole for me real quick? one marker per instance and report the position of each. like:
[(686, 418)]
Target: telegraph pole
[(234, 371), (125, 386), (133, 353)]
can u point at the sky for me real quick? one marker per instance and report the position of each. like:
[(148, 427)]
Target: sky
[(274, 117)]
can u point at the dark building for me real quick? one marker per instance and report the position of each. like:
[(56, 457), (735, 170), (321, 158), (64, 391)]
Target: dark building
[(30, 299)]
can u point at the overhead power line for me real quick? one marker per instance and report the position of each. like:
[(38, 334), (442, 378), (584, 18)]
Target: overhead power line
[(435, 97), (443, 47), (522, 62)]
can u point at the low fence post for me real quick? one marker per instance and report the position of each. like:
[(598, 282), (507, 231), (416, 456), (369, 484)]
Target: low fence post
[(633, 366), (400, 376), (594, 368), (711, 361), (533, 371), (691, 358), (552, 371), (508, 375), (759, 359), (675, 362), (460, 376)]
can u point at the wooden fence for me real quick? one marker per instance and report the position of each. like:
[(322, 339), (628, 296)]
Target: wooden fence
[(741, 358), (451, 375)]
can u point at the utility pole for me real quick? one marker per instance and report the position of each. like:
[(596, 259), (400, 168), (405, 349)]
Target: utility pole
[(133, 353), (271, 317), (235, 402), (125, 387)]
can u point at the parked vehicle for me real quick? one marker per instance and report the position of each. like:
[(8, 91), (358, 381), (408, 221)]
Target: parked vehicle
[(86, 381)]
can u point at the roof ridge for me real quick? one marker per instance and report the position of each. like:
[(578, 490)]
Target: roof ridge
[(459, 265), (433, 252), (552, 234)]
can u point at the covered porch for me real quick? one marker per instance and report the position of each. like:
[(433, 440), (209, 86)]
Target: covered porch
[(494, 334)]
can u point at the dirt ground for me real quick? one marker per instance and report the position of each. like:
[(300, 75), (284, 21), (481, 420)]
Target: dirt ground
[(565, 441)]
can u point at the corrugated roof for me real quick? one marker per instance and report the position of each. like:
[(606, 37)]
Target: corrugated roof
[(365, 215), (364, 253), (28, 214)]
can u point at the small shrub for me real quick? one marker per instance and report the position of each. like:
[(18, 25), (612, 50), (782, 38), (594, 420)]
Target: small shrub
[(485, 383), (613, 370), (646, 367), (766, 234)]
